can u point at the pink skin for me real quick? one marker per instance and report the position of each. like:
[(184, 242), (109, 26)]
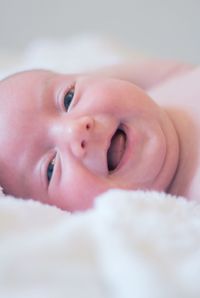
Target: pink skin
[(35, 128)]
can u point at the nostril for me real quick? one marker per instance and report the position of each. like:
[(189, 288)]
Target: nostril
[(87, 126), (83, 144)]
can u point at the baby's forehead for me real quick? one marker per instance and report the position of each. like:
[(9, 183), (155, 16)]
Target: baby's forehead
[(10, 83), (22, 74), (8, 86), (13, 76)]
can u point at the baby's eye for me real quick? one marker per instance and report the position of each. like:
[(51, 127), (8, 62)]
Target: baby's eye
[(50, 169), (68, 98)]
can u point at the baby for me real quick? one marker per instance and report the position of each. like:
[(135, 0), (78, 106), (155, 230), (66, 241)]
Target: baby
[(65, 139)]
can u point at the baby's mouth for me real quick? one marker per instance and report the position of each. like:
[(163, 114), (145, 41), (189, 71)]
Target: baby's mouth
[(116, 149)]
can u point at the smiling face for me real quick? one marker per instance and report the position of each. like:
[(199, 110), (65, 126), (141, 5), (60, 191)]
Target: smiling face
[(65, 139)]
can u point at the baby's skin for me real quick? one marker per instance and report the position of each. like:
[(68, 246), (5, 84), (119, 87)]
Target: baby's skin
[(67, 138)]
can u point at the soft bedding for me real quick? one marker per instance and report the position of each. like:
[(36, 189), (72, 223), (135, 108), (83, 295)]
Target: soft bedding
[(130, 244)]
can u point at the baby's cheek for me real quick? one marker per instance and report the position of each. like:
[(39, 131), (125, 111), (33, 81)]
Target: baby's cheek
[(79, 192)]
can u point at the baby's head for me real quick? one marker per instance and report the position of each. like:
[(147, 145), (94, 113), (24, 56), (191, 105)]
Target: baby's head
[(67, 138)]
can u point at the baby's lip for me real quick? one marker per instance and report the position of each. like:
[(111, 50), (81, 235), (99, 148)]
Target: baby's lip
[(116, 149)]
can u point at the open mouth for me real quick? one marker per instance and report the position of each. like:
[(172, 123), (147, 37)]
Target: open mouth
[(116, 149)]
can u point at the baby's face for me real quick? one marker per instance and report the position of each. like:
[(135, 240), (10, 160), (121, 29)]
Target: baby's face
[(65, 139)]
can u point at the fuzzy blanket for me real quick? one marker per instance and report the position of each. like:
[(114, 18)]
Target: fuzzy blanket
[(130, 244)]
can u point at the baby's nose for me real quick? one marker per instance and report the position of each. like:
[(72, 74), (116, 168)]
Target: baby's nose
[(79, 132)]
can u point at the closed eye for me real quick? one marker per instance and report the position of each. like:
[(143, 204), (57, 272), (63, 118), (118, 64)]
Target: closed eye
[(68, 99)]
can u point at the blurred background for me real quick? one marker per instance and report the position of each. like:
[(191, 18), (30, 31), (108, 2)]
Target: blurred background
[(168, 29)]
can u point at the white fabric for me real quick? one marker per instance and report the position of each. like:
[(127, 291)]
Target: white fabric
[(78, 54), (131, 244)]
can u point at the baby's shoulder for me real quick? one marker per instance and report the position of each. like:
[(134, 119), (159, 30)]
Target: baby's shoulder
[(184, 83)]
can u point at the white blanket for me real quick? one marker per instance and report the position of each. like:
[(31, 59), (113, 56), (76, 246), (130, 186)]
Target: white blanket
[(131, 244)]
